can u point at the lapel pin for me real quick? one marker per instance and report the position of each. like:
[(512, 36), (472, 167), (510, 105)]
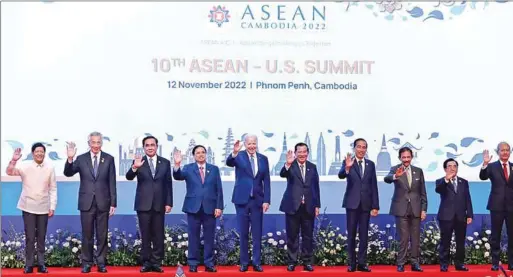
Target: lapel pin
[(208, 171), (103, 160), (158, 162)]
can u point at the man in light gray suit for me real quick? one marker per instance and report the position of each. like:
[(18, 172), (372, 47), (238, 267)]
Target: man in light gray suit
[(409, 206)]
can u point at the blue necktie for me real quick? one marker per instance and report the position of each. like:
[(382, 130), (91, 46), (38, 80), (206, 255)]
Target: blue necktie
[(95, 166), (152, 168), (253, 169), (360, 167), (453, 181)]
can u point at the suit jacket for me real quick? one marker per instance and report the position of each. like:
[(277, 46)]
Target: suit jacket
[(102, 187), (152, 193), (454, 204), (244, 179), (501, 194), (296, 188), (209, 194), (360, 189), (404, 194)]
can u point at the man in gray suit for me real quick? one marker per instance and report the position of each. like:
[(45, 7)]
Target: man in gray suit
[(409, 206), (96, 197)]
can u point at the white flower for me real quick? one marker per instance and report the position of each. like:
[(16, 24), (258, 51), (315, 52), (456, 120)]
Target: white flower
[(485, 239), (74, 240), (169, 248), (356, 250), (387, 226), (179, 237), (278, 233), (6, 258), (186, 252), (179, 245), (11, 257), (389, 6), (479, 242), (326, 250), (426, 240), (270, 234), (218, 227), (487, 246), (475, 242), (74, 250), (285, 247), (275, 243), (477, 246), (66, 244), (57, 242), (470, 238), (271, 240), (338, 229), (185, 235), (476, 234), (437, 237), (167, 235), (68, 238), (282, 241), (486, 254), (431, 227), (488, 232), (18, 244), (428, 231)]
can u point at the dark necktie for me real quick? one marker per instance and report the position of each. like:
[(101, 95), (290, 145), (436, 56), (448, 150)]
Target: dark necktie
[(505, 168), (95, 166), (302, 171), (152, 168), (360, 167), (454, 185)]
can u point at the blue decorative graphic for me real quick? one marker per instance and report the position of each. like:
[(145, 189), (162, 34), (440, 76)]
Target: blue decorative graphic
[(29, 157), (416, 12), (330, 131), (219, 138), (147, 134), (204, 134), (184, 134), (219, 15), (401, 134), (432, 167), (395, 140), (434, 135), (439, 152), (267, 134), (169, 137), (15, 144), (418, 136), (55, 139), (440, 10), (453, 146), (348, 133), (270, 149), (54, 156), (179, 271), (477, 160), (452, 156), (293, 136), (106, 138), (465, 142)]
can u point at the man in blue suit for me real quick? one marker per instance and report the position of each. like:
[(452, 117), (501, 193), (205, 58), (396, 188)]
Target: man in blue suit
[(203, 203), (97, 198), (360, 200), (500, 201), (454, 213), (153, 198), (301, 203), (251, 196)]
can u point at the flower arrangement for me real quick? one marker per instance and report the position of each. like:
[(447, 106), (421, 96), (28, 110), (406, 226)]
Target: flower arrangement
[(63, 248)]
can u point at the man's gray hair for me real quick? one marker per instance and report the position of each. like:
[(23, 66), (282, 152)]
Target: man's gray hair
[(95, 134), (501, 143), (248, 136)]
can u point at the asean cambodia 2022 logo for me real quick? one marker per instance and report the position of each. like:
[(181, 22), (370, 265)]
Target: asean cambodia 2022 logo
[(219, 15)]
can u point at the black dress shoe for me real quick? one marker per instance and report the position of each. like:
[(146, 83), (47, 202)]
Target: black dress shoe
[(258, 268), (351, 268), (210, 269), (145, 268), (86, 269), (495, 267), (416, 267), (102, 268), (291, 267), (308, 267), (157, 268), (28, 269), (400, 268), (363, 268), (193, 268), (444, 268), (243, 268), (461, 268), (42, 269)]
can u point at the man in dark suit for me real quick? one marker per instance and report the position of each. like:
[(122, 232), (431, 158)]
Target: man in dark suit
[(454, 213), (153, 199), (500, 201), (409, 206), (96, 197), (360, 200), (301, 203), (203, 204), (251, 196)]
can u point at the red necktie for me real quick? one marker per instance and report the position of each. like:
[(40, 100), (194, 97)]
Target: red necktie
[(504, 166), (202, 175)]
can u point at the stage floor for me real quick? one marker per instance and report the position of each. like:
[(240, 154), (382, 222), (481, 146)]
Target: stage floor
[(431, 270)]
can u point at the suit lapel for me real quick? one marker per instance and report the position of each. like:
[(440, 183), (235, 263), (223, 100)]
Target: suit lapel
[(297, 170), (90, 164), (307, 173), (366, 170), (100, 163), (208, 168), (157, 167), (356, 167), (404, 179), (245, 158)]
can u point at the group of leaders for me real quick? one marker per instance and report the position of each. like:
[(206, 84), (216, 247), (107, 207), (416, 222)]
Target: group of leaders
[(301, 202)]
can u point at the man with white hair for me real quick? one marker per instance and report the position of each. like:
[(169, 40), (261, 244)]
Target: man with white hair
[(251, 196), (96, 197), (500, 201)]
